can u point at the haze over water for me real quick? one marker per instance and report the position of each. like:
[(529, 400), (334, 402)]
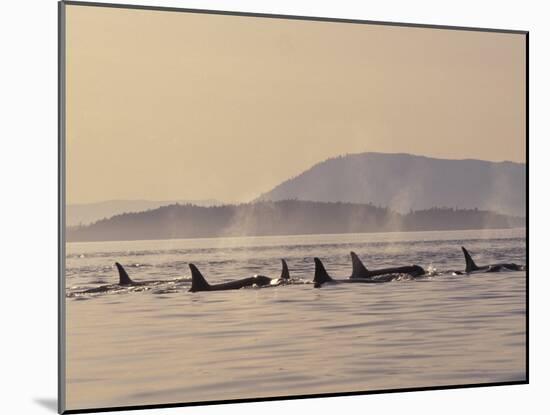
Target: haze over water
[(160, 344)]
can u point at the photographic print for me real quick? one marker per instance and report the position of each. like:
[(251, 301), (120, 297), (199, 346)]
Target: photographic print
[(258, 207)]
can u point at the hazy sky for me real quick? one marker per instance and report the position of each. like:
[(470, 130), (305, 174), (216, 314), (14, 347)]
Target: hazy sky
[(167, 105)]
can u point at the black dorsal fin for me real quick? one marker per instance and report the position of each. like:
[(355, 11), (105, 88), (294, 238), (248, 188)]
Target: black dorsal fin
[(198, 282), (124, 279), (359, 270), (470, 264), (321, 275), (285, 275)]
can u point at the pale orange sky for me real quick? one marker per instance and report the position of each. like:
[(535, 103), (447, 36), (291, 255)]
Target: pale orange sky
[(164, 105)]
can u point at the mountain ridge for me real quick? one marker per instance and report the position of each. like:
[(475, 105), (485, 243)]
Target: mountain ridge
[(403, 181)]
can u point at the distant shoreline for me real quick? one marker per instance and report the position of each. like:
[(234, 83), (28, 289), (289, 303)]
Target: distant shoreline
[(284, 218)]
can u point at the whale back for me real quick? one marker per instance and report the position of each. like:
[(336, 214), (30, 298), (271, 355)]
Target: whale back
[(358, 268), (123, 277), (470, 264), (198, 282), (321, 275), (285, 275)]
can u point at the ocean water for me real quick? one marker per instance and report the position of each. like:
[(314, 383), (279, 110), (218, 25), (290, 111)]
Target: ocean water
[(159, 343)]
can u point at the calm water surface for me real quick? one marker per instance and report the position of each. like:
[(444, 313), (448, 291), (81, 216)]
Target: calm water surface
[(162, 344)]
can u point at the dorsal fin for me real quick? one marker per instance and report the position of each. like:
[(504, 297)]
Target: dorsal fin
[(470, 264), (321, 275), (198, 282), (285, 275), (124, 279), (358, 269)]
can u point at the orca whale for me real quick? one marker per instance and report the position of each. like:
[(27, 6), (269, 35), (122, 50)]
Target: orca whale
[(199, 283), (321, 277), (472, 267), (285, 274), (360, 271), (124, 281)]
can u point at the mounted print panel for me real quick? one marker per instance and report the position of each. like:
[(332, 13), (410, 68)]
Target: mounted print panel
[(257, 207)]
